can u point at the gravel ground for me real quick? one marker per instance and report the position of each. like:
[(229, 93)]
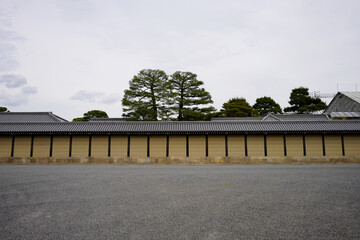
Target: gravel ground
[(180, 202)]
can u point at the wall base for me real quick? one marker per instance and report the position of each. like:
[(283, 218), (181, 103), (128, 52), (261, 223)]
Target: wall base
[(186, 160)]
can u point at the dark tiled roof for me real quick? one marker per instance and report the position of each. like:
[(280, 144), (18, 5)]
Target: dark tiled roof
[(252, 127), (107, 119), (30, 117), (278, 117), (237, 119), (298, 117)]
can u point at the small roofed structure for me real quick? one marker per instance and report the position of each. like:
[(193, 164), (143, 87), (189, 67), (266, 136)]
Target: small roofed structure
[(27, 117), (344, 102)]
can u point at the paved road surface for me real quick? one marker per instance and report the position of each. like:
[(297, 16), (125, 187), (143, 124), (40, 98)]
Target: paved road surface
[(180, 202)]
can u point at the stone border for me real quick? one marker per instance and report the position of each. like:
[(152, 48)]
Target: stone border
[(181, 161)]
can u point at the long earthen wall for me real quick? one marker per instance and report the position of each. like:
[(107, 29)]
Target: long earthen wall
[(178, 149)]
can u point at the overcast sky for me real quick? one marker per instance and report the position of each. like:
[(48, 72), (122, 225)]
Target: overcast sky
[(72, 56)]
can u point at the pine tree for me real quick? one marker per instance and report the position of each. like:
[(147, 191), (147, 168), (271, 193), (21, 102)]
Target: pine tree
[(187, 97), (146, 97), (266, 105), (301, 102), (237, 107)]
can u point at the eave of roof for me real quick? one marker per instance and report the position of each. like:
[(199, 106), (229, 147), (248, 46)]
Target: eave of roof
[(178, 128), (355, 96), (30, 117)]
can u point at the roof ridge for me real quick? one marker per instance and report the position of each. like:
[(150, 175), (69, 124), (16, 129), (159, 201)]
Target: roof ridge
[(25, 112), (349, 95)]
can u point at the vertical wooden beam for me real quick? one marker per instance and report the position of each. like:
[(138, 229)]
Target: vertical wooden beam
[(167, 145), (246, 145), (90, 137), (32, 146), (265, 146), (187, 145), (70, 146), (109, 146), (148, 146), (304, 144), (323, 144), (285, 151), (12, 146), (51, 145), (128, 147), (206, 145), (226, 146), (342, 144)]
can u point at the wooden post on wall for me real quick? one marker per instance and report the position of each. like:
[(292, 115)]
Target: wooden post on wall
[(90, 137), (187, 145), (167, 145), (226, 146), (304, 145), (109, 146), (246, 146), (148, 146), (51, 145), (128, 146), (342, 144), (12, 146), (285, 151), (265, 146), (70, 146), (323, 144), (206, 145), (32, 146)]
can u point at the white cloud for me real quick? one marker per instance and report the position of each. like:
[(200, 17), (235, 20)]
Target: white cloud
[(12, 80), (8, 60), (28, 90), (96, 97), (13, 99)]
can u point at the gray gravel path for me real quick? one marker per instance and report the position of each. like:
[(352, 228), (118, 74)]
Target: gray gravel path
[(180, 202)]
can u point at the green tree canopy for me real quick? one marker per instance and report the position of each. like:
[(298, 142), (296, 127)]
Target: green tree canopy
[(4, 109), (147, 95), (237, 107), (91, 114), (301, 102), (187, 96), (266, 105)]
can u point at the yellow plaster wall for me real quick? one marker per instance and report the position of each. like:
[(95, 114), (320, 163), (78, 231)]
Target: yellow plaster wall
[(138, 146), (314, 145), (333, 147), (41, 146), (61, 146), (119, 145), (197, 146), (99, 146), (255, 144), (275, 145), (216, 146), (177, 146), (80, 146), (157, 146), (5, 146), (236, 145), (294, 146), (22, 146), (352, 145)]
